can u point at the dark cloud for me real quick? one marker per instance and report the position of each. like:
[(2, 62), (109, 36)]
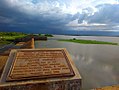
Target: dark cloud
[(52, 18), (12, 19)]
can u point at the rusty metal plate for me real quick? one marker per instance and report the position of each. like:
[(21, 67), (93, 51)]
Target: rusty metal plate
[(33, 64)]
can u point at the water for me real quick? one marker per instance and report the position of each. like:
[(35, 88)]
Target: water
[(97, 64)]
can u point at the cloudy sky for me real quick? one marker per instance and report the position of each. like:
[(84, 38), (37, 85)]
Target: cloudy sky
[(59, 15)]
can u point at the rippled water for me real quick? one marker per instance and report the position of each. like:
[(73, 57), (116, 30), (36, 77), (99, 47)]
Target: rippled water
[(97, 64)]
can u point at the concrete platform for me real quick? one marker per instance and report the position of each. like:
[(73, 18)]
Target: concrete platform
[(33, 75), (4, 54), (114, 87), (3, 60)]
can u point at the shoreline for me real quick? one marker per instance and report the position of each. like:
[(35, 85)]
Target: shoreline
[(82, 41), (83, 35)]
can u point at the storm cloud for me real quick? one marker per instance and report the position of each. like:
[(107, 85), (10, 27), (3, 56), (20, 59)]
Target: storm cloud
[(58, 15)]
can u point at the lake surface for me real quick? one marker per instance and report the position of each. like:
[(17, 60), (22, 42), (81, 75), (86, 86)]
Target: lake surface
[(97, 64)]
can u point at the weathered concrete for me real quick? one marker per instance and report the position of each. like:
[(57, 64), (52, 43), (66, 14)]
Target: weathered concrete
[(3, 60), (114, 87), (20, 45), (4, 53), (28, 45), (29, 37), (72, 82)]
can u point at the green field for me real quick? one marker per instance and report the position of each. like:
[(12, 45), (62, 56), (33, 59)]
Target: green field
[(8, 37), (4, 42), (87, 41)]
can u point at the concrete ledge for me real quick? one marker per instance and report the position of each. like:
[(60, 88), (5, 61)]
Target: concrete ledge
[(59, 83), (114, 87)]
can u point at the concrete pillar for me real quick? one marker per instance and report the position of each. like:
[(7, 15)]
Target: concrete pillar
[(32, 43)]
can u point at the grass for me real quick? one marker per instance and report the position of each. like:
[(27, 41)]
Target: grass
[(47, 35), (87, 41), (8, 37), (4, 42)]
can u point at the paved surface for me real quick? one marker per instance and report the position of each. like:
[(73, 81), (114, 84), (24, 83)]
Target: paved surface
[(3, 60), (116, 87)]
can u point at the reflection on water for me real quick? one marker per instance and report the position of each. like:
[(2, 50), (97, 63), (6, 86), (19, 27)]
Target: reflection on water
[(99, 38), (97, 64)]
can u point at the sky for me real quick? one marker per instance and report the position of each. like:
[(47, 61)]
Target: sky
[(56, 16)]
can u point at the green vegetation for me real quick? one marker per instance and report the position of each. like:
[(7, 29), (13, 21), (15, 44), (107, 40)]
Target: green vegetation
[(87, 41), (47, 35), (4, 42), (11, 38), (8, 37), (41, 34), (11, 33)]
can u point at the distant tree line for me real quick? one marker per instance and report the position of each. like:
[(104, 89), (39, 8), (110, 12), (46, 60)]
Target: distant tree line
[(11, 33), (47, 35)]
